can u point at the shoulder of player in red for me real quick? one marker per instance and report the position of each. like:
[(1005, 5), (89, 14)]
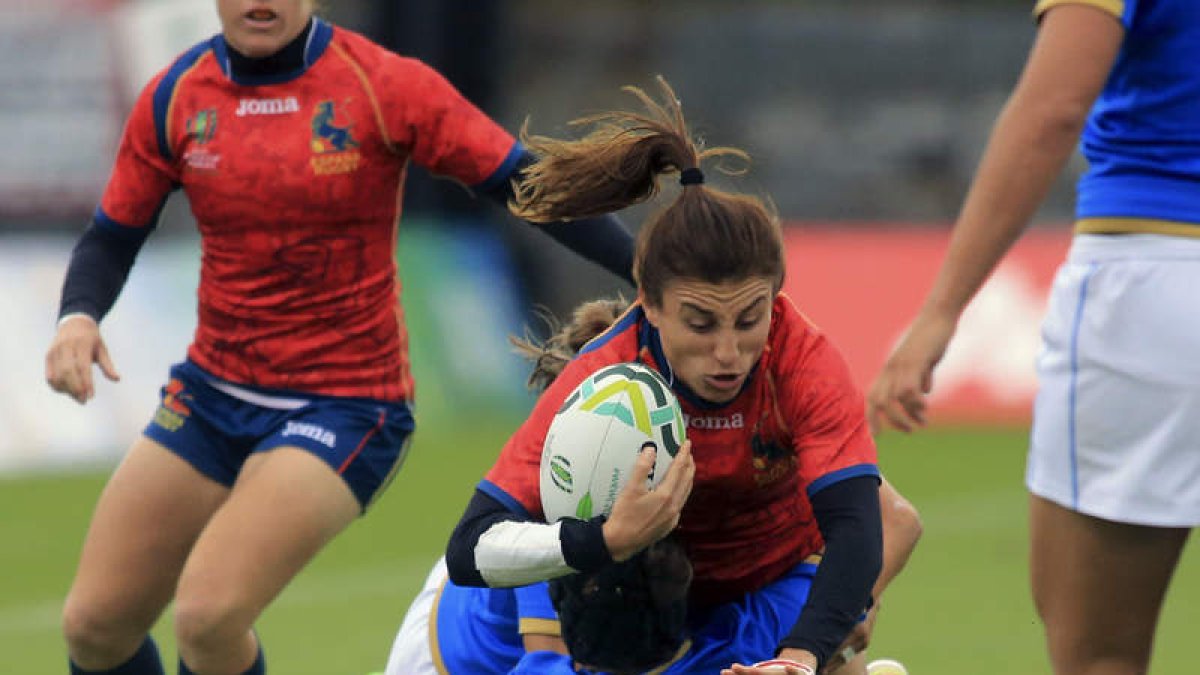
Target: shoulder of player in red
[(358, 90), (513, 479)]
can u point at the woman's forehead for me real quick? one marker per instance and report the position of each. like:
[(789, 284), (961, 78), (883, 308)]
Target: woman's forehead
[(726, 295)]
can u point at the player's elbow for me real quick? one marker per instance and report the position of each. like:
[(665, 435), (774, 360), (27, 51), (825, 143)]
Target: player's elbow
[(1053, 122), (460, 562)]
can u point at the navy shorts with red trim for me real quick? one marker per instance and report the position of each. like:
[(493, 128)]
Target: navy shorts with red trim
[(362, 440)]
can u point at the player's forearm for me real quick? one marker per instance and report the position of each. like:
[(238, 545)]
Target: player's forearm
[(492, 546), (1027, 150), (847, 513), (100, 264), (602, 239)]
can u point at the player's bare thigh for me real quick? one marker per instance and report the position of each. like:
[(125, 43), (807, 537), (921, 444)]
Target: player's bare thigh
[(145, 522), (1098, 586), (285, 506)]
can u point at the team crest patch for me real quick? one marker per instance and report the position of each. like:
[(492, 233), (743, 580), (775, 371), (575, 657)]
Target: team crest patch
[(772, 462), (174, 410), (333, 144)]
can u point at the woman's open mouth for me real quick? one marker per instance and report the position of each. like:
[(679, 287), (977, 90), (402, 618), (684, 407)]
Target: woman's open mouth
[(724, 381), (260, 17)]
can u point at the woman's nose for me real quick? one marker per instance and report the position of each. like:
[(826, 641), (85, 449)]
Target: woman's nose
[(726, 349)]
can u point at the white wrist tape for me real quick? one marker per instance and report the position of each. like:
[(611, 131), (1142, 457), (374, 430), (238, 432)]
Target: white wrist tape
[(512, 553), (782, 665)]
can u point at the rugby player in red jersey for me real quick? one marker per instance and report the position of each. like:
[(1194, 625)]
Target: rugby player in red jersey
[(781, 466), (290, 138)]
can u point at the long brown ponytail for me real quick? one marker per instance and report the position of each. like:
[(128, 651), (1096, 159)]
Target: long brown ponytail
[(704, 234)]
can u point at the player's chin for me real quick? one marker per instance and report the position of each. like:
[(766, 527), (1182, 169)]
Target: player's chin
[(719, 395), (256, 44)]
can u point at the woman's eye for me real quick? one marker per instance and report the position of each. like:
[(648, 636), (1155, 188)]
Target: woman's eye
[(747, 324)]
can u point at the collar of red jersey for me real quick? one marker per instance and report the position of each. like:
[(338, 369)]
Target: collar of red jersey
[(316, 40)]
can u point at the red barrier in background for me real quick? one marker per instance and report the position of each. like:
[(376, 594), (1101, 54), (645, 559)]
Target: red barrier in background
[(863, 286)]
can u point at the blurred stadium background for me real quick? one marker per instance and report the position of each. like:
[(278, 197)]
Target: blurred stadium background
[(865, 120)]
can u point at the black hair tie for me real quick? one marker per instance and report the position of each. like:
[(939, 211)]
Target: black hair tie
[(691, 176)]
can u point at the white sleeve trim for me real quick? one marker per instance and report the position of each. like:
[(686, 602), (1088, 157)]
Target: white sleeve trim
[(512, 553)]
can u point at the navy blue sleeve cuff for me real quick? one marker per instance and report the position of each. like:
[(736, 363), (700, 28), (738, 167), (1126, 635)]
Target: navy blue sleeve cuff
[(583, 544), (499, 180)]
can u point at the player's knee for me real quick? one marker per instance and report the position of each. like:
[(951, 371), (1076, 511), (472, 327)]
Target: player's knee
[(205, 622), (909, 520), (95, 637), (901, 518)]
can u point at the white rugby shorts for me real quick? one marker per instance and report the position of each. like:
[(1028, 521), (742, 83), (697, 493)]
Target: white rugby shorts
[(411, 652), (1116, 430)]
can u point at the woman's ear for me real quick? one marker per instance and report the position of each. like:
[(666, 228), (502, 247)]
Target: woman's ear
[(653, 314)]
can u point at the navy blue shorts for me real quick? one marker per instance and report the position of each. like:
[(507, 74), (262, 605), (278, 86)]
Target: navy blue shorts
[(214, 430)]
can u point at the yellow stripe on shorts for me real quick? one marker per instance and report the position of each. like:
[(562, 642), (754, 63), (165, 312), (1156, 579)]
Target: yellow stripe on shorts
[(1173, 228)]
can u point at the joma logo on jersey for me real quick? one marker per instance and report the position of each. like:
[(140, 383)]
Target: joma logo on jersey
[(710, 422), (267, 106), (334, 146), (317, 433)]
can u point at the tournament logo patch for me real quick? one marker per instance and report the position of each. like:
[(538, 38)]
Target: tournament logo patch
[(333, 144), (201, 128), (560, 473)]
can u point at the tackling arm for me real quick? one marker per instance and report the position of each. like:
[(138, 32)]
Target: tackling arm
[(901, 530), (493, 545), (848, 515)]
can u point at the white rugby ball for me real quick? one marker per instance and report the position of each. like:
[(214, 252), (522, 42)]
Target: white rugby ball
[(597, 434)]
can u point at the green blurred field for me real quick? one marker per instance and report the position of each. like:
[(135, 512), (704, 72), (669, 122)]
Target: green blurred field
[(962, 606)]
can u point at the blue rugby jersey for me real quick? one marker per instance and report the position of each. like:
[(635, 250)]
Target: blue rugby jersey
[(477, 631), (1142, 138)]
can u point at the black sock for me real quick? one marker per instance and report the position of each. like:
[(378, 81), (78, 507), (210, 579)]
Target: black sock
[(144, 661), (259, 667)]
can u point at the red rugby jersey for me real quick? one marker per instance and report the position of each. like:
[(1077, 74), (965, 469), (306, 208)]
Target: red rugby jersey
[(797, 426), (295, 181)]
